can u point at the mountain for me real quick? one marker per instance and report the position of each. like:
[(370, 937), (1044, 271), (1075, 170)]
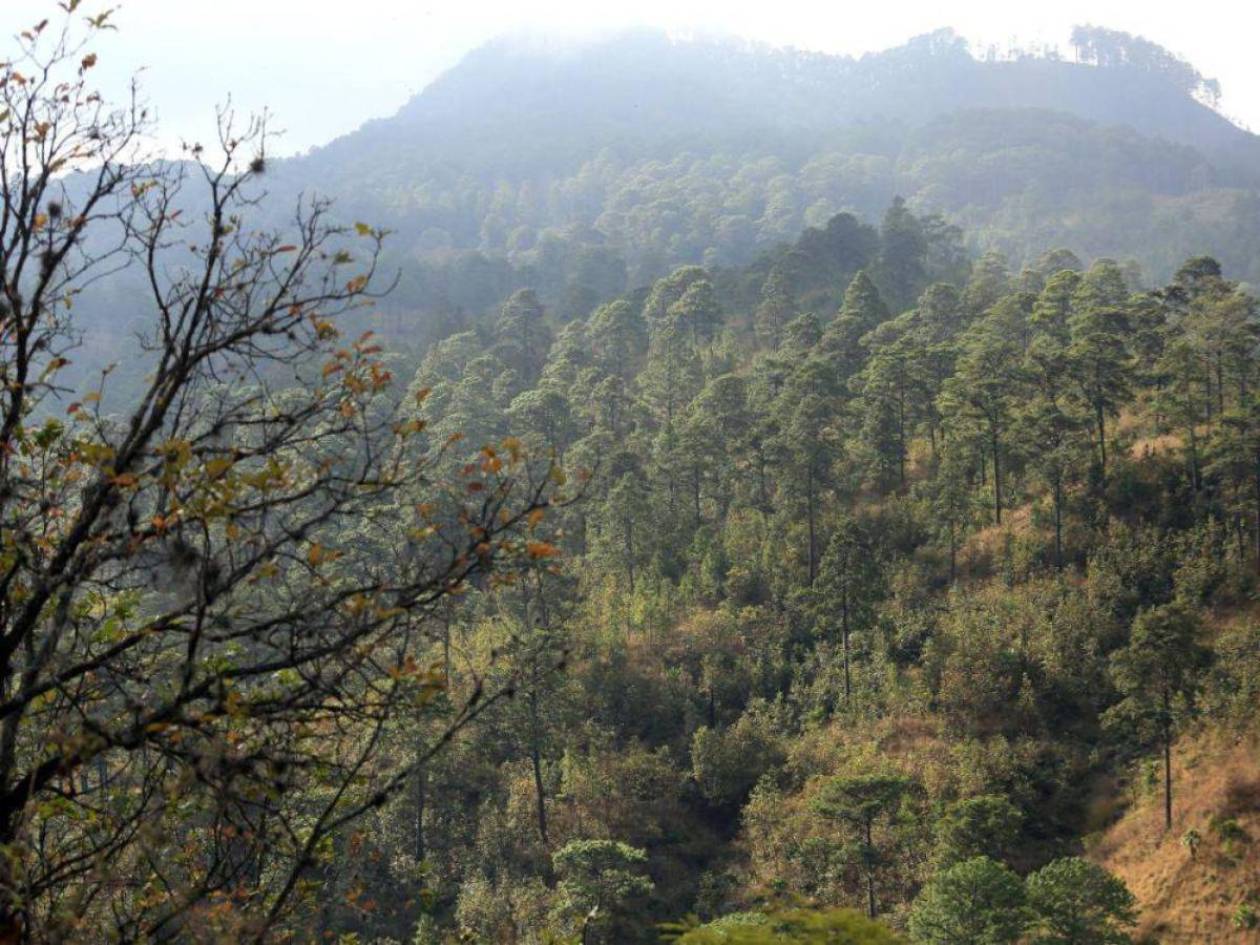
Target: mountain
[(659, 151)]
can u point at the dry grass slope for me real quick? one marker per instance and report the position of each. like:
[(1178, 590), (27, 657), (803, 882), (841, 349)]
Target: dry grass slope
[(1185, 899)]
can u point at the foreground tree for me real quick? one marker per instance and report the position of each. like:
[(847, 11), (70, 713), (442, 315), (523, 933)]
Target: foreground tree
[(200, 645), (599, 879), (1076, 902), (975, 902)]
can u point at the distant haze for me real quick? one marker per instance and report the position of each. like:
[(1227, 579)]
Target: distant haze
[(324, 69)]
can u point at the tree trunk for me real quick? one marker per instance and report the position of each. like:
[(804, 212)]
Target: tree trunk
[(1101, 419), (844, 630), (1220, 387), (813, 530), (953, 551), (535, 756), (763, 491), (422, 791), (901, 442), (1256, 486), (11, 924), (1167, 724), (997, 479), (1193, 437), (1058, 524), (446, 650), (870, 875), (628, 525)]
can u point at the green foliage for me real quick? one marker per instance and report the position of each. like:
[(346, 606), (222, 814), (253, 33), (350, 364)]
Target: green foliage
[(835, 927), (1245, 917), (598, 881), (987, 825), (974, 902), (726, 763), (1079, 903)]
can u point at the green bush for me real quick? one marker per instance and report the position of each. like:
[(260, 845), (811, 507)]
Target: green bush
[(797, 927)]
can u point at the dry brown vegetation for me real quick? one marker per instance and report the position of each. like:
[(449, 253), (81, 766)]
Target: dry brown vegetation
[(1190, 899)]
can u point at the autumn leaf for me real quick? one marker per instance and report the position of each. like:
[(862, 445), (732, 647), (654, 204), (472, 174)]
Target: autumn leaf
[(317, 555)]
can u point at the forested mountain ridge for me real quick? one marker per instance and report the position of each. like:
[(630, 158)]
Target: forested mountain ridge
[(631, 83), (586, 170), (657, 151)]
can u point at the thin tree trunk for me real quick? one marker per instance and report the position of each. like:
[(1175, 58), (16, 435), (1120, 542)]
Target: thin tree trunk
[(1256, 485), (844, 625), (422, 792), (629, 537), (997, 479), (901, 442), (1168, 798), (535, 755), (1102, 439), (1058, 524), (813, 531), (870, 876), (1220, 387), (1194, 458), (763, 491), (953, 551), (695, 494)]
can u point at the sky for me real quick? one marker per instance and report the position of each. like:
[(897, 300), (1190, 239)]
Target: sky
[(322, 68)]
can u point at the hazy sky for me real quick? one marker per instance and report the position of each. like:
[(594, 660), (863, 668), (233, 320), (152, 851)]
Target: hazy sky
[(324, 67)]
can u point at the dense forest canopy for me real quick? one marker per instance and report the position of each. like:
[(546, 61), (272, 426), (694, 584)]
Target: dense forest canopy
[(893, 564), (642, 525)]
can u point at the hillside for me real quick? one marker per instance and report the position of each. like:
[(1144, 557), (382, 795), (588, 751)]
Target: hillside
[(511, 579)]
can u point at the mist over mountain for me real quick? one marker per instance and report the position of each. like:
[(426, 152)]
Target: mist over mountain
[(667, 151)]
